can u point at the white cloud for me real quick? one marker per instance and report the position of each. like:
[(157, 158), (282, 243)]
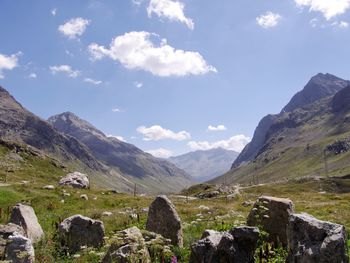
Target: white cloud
[(268, 20), (117, 110), (329, 8), (235, 143), (161, 153), (138, 84), (137, 2), (65, 69), (340, 24), (8, 63), (120, 138), (32, 76), (217, 128), (93, 81), (156, 133), (135, 50), (313, 22), (172, 10), (74, 27), (54, 12)]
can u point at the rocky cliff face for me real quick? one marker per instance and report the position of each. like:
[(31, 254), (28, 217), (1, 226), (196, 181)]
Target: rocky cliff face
[(319, 87)]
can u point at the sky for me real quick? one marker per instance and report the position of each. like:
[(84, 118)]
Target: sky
[(169, 76)]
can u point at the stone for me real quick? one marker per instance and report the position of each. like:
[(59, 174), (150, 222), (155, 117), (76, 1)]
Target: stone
[(5, 232), (127, 246), (272, 214), (19, 249), (76, 180), (164, 220), (77, 231), (24, 216), (106, 213), (85, 197), (312, 240), (210, 194), (236, 245), (49, 187)]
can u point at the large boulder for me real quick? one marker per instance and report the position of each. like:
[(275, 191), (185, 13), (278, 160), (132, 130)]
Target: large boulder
[(312, 240), (19, 249), (5, 232), (77, 231), (24, 216), (236, 245), (164, 220), (76, 180), (272, 214), (128, 246)]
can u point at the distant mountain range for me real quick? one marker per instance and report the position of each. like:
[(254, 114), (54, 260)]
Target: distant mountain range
[(294, 142), (80, 146), (205, 165)]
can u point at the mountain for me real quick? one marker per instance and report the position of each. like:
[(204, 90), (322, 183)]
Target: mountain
[(150, 173), (205, 165), (312, 140), (319, 86)]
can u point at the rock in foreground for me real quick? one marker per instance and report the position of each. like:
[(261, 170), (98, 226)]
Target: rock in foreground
[(76, 180), (164, 220), (77, 231), (24, 216), (19, 249), (313, 240)]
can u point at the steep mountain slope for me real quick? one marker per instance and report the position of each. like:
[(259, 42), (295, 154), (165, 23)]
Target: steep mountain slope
[(310, 141), (152, 174), (205, 165), (319, 86)]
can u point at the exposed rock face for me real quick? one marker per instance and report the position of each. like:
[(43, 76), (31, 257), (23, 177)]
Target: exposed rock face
[(19, 249), (338, 147), (164, 220), (311, 240), (272, 214), (76, 180), (5, 232), (341, 101), (24, 216), (237, 245), (77, 231), (128, 246)]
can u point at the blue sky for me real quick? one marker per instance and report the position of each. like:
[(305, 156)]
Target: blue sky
[(169, 76)]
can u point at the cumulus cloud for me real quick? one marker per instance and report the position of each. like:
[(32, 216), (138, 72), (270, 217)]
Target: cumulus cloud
[(161, 153), (235, 143), (268, 20), (156, 133), (340, 24), (119, 138), (32, 76), (171, 10), (137, 2), (8, 63), (117, 110), (135, 50), (54, 12), (93, 81), (138, 84), (329, 8), (66, 69), (74, 27), (217, 128)]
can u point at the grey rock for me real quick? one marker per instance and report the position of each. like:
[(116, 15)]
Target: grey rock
[(164, 220), (210, 194), (311, 240), (5, 232), (76, 180), (85, 197), (24, 216), (77, 231), (19, 249), (272, 214), (49, 187)]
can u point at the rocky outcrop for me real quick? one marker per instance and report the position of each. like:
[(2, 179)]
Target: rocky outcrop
[(24, 216), (19, 249), (164, 220), (5, 232), (341, 101), (76, 180), (338, 147), (77, 231), (236, 245), (312, 240), (272, 214)]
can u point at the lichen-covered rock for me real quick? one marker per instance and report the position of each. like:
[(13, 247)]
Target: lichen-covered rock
[(164, 220), (236, 245), (127, 246), (77, 231), (5, 232), (24, 216), (19, 249), (312, 240), (76, 180), (272, 214)]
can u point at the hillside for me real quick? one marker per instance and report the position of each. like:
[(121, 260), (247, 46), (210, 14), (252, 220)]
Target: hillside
[(150, 173), (205, 165), (308, 141)]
